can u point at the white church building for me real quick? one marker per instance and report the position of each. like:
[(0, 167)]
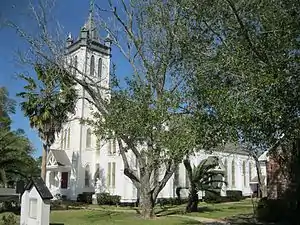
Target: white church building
[(78, 158)]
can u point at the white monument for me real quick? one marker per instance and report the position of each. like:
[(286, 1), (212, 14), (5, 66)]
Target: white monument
[(35, 203), (97, 191)]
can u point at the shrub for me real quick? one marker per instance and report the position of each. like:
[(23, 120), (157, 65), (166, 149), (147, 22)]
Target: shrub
[(272, 210), (233, 195), (107, 199), (9, 219), (85, 197), (211, 197), (10, 206)]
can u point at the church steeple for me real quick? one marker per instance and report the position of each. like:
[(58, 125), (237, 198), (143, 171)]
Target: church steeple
[(89, 26)]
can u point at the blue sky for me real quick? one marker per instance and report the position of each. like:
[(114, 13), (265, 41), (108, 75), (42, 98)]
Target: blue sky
[(71, 15)]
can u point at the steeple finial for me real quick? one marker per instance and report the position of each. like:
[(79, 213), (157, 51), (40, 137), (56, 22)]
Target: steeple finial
[(92, 6), (89, 25)]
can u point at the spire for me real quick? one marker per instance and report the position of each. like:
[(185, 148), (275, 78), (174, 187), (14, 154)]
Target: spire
[(89, 25), (92, 6)]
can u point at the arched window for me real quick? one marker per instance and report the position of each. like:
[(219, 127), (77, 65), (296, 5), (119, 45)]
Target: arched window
[(71, 64), (99, 68), (62, 139), (65, 139), (75, 64), (97, 172), (226, 170), (250, 172), (92, 66), (87, 176), (69, 136), (244, 173), (88, 138), (113, 146), (233, 173)]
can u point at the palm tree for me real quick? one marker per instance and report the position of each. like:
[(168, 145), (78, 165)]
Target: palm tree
[(48, 103), (201, 178)]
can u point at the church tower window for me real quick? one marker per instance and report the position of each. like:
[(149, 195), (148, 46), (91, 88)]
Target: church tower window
[(75, 64), (99, 68), (92, 66), (65, 139), (113, 146), (88, 138), (87, 176), (69, 136), (233, 173)]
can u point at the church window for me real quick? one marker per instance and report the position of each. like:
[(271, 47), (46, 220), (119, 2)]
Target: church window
[(88, 138), (113, 146), (233, 173), (92, 66), (71, 65), (65, 139), (75, 64), (99, 68), (109, 174), (113, 175), (176, 177), (244, 173), (87, 176), (69, 136), (187, 179), (250, 171), (97, 172), (62, 139), (226, 170)]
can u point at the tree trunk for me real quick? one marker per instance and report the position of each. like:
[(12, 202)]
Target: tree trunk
[(261, 192), (146, 202), (44, 162), (4, 178), (193, 200)]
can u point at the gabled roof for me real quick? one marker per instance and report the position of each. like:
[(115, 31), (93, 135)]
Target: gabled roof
[(255, 179), (264, 156), (231, 148), (40, 186), (60, 157)]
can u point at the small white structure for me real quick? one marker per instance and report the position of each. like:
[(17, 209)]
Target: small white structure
[(35, 205)]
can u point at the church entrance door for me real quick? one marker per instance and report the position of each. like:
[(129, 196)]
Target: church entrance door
[(64, 180)]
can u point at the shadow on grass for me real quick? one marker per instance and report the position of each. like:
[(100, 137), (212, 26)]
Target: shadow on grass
[(167, 211), (247, 219)]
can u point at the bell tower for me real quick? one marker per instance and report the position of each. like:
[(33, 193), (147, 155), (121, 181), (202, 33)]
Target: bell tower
[(88, 57)]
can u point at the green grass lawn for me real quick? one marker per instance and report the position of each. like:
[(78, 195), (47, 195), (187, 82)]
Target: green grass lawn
[(88, 217), (102, 215), (217, 211), (223, 210)]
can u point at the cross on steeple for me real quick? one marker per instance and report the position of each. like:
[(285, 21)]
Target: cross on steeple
[(90, 26), (92, 6)]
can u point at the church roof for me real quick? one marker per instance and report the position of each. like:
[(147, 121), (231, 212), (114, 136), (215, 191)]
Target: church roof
[(255, 179), (61, 157), (230, 148), (40, 186)]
